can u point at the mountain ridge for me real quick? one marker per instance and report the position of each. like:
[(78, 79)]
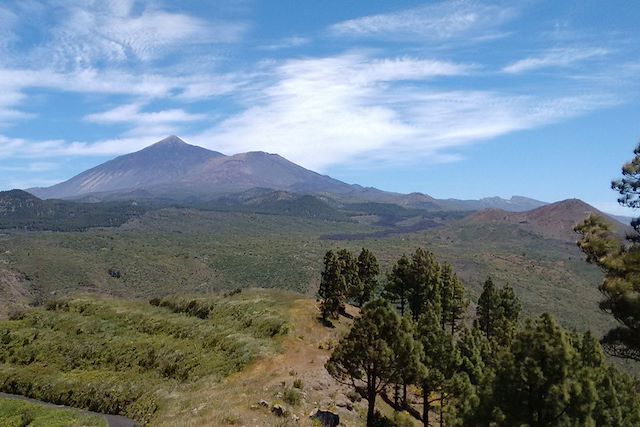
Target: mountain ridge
[(174, 169)]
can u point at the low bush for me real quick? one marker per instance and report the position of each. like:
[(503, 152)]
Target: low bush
[(292, 396), (107, 356)]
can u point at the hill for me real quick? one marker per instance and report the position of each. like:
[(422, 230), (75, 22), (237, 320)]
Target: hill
[(553, 221), (21, 210)]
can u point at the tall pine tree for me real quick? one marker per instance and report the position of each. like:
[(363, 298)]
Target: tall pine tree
[(378, 350)]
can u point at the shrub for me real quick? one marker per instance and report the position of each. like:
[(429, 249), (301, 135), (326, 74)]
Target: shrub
[(292, 396), (231, 420), (297, 383)]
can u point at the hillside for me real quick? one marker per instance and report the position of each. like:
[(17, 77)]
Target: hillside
[(197, 251), (212, 361), (163, 162), (553, 221), (21, 210)]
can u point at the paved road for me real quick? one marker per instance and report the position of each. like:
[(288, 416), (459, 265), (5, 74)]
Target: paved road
[(112, 420)]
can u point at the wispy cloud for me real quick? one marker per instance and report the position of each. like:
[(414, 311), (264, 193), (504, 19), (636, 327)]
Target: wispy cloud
[(435, 22), (93, 32), (555, 58), (320, 112), (131, 113), (162, 122), (287, 43)]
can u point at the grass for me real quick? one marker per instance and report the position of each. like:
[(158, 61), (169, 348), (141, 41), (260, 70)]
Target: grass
[(17, 413), (122, 357)]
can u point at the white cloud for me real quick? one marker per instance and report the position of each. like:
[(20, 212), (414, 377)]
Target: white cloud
[(14, 83), (56, 148), (435, 22), (288, 43), (555, 58), (164, 122), (97, 31), (319, 112), (130, 113)]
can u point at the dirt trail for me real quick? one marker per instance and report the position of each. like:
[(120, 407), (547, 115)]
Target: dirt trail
[(236, 400)]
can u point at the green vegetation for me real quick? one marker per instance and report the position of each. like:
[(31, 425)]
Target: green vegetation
[(378, 351), (496, 373), (193, 251), (120, 357), (621, 264), (17, 413), (21, 210)]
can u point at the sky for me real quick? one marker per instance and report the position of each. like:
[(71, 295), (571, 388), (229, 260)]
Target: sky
[(462, 99)]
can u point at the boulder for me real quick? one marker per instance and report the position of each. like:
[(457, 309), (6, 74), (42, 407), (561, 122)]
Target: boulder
[(325, 418), (279, 410)]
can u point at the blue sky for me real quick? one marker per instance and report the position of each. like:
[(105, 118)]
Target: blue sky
[(462, 99)]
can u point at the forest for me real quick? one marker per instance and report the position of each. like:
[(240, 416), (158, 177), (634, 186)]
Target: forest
[(411, 346)]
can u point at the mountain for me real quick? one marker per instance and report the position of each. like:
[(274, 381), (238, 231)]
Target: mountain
[(554, 221), (174, 170), (164, 162)]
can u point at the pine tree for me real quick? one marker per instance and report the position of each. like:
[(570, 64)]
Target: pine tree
[(621, 264), (540, 380), (397, 287), (498, 312), (440, 358), (332, 286), (452, 299), (338, 281), (486, 311), (424, 284), (368, 271), (349, 271), (378, 351)]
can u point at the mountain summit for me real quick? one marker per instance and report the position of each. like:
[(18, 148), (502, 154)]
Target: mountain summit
[(173, 168)]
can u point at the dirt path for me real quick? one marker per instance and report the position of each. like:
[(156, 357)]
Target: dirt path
[(237, 399), (112, 420)]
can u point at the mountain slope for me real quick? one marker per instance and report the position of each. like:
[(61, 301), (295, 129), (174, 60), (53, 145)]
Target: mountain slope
[(174, 170), (261, 170), (554, 221), (161, 163)]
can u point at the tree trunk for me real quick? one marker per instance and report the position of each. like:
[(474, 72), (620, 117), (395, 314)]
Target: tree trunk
[(396, 394), (441, 406), (426, 407), (404, 395), (371, 410)]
